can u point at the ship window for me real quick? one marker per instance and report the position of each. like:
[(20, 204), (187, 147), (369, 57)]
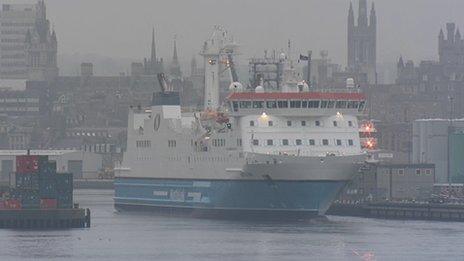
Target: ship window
[(339, 142), (335, 123), (258, 104), (324, 104), (303, 123), (270, 142), (255, 142), (271, 104), (219, 142), (295, 104), (270, 123), (282, 104), (428, 172), (313, 104), (285, 142), (172, 143), (143, 144), (350, 142), (325, 142), (401, 172), (245, 104), (304, 104), (298, 142), (318, 123), (350, 123), (341, 105), (235, 106), (361, 105), (352, 105), (289, 123), (418, 171), (312, 142), (330, 104), (252, 123)]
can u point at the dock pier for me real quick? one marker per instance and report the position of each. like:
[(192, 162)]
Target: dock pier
[(45, 218), (405, 211)]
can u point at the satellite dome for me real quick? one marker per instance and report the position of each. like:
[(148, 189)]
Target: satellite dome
[(235, 87), (259, 89), (303, 86), (350, 83), (283, 56)]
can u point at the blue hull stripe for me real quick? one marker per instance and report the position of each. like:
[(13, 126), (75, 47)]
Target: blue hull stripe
[(263, 195)]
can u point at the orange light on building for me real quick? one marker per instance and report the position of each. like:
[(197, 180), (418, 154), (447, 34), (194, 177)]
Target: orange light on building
[(369, 143)]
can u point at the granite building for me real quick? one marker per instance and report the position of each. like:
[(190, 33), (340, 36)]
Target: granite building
[(362, 43), (28, 48)]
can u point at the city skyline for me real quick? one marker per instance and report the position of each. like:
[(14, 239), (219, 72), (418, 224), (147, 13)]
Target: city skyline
[(127, 26)]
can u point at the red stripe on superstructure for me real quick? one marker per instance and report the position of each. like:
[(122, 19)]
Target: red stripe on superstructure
[(296, 96)]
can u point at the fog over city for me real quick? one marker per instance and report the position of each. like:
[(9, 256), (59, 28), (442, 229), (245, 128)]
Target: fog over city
[(122, 29), (231, 130)]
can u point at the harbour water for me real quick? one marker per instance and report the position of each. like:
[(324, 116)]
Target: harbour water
[(141, 236)]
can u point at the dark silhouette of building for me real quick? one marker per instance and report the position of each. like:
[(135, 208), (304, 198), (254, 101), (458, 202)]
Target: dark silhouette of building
[(174, 68), (451, 52), (41, 49), (362, 44), (422, 91), (28, 45), (153, 66)]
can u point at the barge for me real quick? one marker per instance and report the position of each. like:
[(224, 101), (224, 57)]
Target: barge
[(39, 197)]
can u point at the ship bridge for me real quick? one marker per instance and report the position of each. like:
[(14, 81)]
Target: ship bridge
[(318, 103)]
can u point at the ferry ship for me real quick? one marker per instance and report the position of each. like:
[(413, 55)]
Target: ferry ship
[(259, 154)]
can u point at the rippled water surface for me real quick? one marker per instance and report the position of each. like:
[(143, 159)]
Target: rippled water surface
[(135, 236)]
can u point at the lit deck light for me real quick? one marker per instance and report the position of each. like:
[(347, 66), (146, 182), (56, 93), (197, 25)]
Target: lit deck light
[(264, 116)]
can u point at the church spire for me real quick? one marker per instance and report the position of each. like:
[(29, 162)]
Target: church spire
[(153, 46), (193, 66), (362, 14), (174, 55), (351, 16), (373, 17), (401, 63), (175, 66), (441, 35)]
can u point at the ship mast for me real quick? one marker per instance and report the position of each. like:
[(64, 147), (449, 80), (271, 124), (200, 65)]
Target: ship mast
[(214, 49)]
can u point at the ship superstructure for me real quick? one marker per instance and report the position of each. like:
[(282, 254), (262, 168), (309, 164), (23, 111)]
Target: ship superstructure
[(265, 154)]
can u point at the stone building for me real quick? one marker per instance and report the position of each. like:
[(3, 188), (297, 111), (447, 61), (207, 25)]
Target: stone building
[(174, 69), (28, 46), (362, 43), (429, 90), (153, 65), (41, 50)]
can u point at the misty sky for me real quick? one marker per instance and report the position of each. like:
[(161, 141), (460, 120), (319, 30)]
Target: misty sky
[(122, 28)]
